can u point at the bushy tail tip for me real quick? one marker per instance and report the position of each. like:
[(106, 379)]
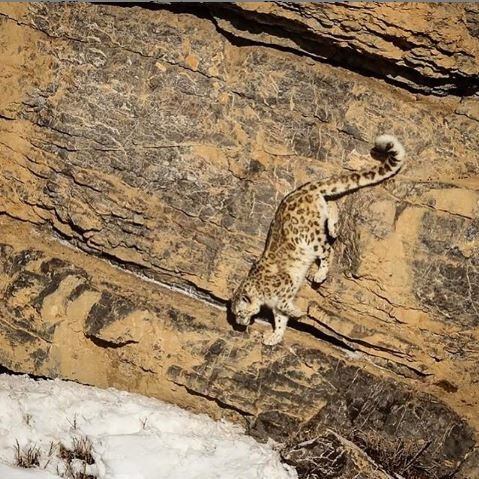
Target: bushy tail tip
[(390, 145)]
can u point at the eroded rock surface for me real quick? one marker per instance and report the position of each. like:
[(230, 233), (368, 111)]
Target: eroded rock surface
[(431, 48), (158, 144), (68, 315)]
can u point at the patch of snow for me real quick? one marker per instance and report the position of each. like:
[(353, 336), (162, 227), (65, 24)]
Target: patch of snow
[(132, 436), (7, 472)]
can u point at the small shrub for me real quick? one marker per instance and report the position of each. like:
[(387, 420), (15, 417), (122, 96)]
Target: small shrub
[(395, 455)]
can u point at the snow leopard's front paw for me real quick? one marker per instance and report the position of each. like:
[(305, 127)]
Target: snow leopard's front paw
[(319, 275), (311, 274), (272, 339)]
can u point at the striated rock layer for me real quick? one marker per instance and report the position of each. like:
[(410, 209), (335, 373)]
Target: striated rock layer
[(431, 48), (143, 152)]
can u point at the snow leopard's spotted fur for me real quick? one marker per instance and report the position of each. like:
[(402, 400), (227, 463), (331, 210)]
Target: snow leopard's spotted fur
[(299, 236)]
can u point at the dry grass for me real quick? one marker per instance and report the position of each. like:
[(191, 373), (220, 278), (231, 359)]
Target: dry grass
[(72, 473), (27, 457), (323, 456), (76, 458), (81, 450), (395, 455)]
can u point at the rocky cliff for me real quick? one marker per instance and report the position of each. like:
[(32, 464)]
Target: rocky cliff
[(143, 151)]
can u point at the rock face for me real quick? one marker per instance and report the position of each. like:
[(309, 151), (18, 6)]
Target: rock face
[(421, 47), (143, 152)]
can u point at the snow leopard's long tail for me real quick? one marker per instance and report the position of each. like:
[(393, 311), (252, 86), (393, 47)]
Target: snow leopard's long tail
[(387, 145)]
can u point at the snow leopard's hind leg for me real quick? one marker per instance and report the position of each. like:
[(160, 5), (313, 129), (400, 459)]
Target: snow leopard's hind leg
[(332, 221), (325, 258)]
